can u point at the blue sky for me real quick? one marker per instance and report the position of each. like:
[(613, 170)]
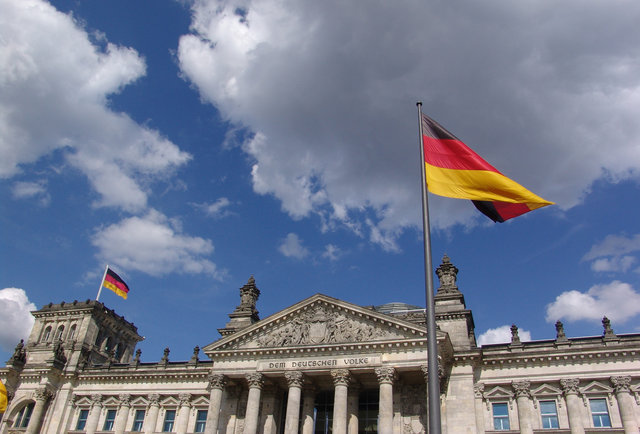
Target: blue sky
[(191, 145)]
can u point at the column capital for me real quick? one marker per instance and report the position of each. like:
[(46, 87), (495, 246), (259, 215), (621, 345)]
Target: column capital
[(386, 375), (154, 399), (294, 378), (341, 377), (478, 390), (255, 380), (42, 394), (96, 400), (522, 388), (125, 399), (621, 383), (570, 386), (217, 381), (185, 399)]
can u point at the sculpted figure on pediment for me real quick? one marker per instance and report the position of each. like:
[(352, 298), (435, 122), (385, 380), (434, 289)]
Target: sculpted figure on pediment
[(322, 326)]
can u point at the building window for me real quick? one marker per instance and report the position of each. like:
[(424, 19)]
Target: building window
[(599, 413), (22, 420), (201, 421), (169, 419), (368, 403), (549, 414), (108, 421), (138, 421), (47, 334), (500, 416), (59, 333), (72, 332), (82, 419)]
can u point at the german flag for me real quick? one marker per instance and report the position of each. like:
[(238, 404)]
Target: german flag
[(115, 283), (454, 170)]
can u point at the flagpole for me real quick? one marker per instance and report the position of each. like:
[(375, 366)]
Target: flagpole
[(102, 281), (433, 381)]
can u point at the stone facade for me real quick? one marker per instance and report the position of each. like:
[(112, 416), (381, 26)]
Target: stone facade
[(321, 365)]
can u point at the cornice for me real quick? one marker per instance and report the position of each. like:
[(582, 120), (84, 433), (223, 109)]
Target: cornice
[(603, 355)]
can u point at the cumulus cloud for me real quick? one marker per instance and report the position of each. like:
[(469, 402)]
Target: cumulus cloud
[(15, 317), (32, 190), (502, 334), (54, 89), (616, 300), (217, 209), (612, 253), (154, 244), (332, 252), (329, 90), (292, 247)]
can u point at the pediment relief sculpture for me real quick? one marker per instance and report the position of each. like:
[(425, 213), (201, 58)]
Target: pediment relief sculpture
[(321, 325)]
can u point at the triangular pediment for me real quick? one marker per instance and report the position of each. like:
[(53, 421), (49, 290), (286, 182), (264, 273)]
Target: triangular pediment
[(319, 321), (498, 392), (596, 387), (546, 390)]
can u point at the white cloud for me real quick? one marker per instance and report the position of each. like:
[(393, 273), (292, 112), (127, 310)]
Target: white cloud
[(217, 209), (28, 190), (292, 247), (156, 245), (332, 252), (15, 317), (612, 254), (617, 300), (54, 89), (618, 263), (331, 97), (502, 334)]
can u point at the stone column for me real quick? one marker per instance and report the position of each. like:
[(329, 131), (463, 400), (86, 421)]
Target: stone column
[(294, 380), (308, 404), (625, 403), (94, 414), (386, 377), (341, 379), (268, 417), (574, 404), (478, 393), (523, 399), (151, 420), (182, 419), (256, 381), (216, 384), (123, 413), (353, 401), (42, 396)]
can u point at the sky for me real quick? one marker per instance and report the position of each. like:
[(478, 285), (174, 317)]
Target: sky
[(193, 144)]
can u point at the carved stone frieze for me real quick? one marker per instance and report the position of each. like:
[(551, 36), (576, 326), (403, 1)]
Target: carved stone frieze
[(321, 325)]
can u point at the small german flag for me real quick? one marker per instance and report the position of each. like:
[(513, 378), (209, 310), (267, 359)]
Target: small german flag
[(454, 170), (115, 283)]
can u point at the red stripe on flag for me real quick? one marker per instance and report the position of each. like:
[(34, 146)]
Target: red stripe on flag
[(510, 210), (453, 154)]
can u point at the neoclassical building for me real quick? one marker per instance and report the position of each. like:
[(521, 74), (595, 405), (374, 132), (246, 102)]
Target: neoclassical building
[(322, 365)]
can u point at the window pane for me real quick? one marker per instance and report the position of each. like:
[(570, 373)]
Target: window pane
[(108, 421), (549, 414), (169, 417), (201, 421), (500, 416), (599, 413), (138, 421), (82, 420)]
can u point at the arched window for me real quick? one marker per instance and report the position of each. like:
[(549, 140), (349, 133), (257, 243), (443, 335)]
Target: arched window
[(59, 333), (72, 333), (22, 420), (47, 334)]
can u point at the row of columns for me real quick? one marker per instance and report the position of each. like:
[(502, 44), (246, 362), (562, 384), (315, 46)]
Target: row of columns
[(571, 391), (296, 384)]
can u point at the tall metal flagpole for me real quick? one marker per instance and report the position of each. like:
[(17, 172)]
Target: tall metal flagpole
[(102, 281), (433, 381)]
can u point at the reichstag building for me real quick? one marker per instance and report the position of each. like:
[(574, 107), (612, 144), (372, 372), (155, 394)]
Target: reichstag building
[(320, 366)]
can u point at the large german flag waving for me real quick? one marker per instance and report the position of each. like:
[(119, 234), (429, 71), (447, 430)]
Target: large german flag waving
[(454, 170), (115, 283)]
